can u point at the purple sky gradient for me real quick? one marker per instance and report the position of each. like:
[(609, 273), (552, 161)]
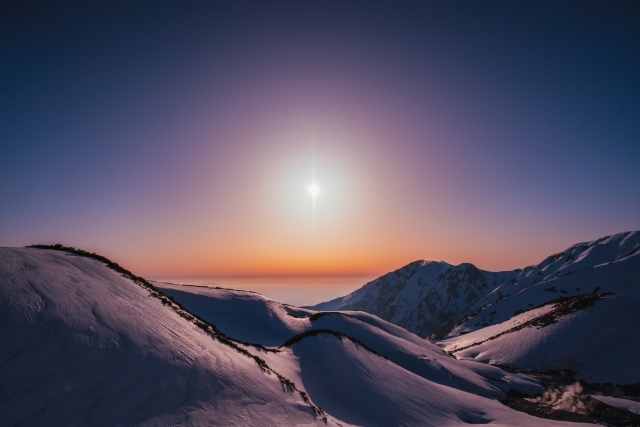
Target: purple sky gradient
[(180, 139)]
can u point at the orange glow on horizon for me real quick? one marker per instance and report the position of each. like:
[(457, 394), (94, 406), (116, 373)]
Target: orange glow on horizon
[(366, 263)]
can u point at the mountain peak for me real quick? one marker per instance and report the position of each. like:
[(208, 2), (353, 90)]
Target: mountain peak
[(429, 298)]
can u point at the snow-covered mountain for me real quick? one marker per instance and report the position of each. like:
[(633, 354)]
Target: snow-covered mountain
[(578, 309), (83, 345), (85, 342), (427, 298), (582, 314)]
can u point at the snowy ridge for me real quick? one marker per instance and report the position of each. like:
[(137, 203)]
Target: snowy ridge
[(429, 298), (345, 362), (503, 317), (578, 257), (599, 342), (426, 297), (84, 344), (393, 343)]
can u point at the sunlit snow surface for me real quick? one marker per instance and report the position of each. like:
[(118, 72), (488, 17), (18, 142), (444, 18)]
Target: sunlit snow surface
[(82, 345), (375, 373)]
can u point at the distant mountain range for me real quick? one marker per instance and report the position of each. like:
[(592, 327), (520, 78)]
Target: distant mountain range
[(86, 342), (581, 297)]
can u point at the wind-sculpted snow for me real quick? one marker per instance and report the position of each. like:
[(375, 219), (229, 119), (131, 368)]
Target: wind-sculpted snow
[(83, 345), (241, 315), (428, 361), (598, 342), (245, 316), (360, 387)]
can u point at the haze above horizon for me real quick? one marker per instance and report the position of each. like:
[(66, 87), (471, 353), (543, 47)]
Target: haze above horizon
[(318, 139)]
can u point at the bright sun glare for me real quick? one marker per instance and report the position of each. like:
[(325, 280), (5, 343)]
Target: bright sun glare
[(314, 189)]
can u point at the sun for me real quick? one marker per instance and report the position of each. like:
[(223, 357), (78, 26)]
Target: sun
[(314, 189)]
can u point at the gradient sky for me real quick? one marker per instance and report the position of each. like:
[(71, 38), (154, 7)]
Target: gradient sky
[(179, 138)]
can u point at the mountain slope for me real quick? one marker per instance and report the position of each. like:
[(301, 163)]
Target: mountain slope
[(426, 297), (345, 379), (429, 298), (577, 310), (359, 369), (81, 344), (247, 313), (593, 334), (86, 342)]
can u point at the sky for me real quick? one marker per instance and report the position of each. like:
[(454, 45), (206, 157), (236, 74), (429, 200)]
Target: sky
[(180, 138)]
